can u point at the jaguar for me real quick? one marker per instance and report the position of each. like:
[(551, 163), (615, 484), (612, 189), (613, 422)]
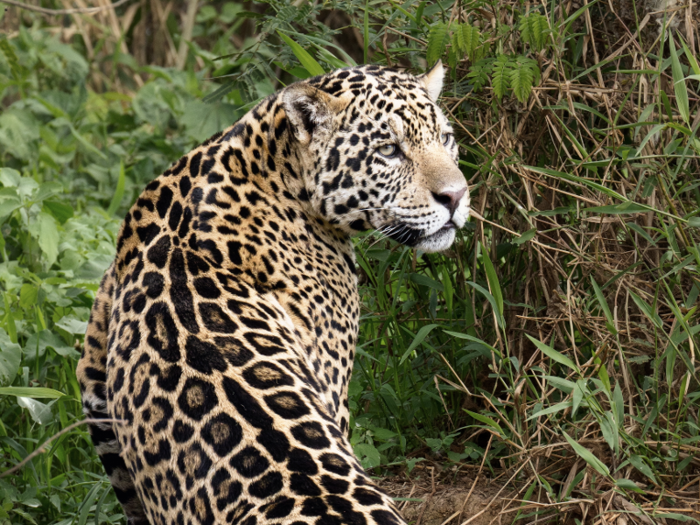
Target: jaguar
[(221, 341)]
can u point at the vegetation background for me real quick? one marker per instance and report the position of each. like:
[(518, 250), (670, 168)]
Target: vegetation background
[(555, 349)]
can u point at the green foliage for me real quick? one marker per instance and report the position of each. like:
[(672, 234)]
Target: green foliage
[(534, 30), (437, 42), (570, 316)]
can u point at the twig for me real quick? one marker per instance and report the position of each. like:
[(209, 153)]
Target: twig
[(42, 447), (79, 10)]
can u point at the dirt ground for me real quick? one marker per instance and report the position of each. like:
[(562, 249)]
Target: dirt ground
[(425, 500), (429, 498)]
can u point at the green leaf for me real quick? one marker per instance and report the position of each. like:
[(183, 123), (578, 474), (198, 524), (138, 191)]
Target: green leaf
[(641, 465), (647, 311), (487, 420), (492, 277), (501, 76), (59, 210), (604, 306), (420, 336), (424, 280), (10, 357), (679, 82), (527, 236), (437, 43), (40, 412), (368, 454), (522, 78), (72, 325), (562, 384), (618, 209), (491, 299), (31, 392), (18, 131), (118, 192), (45, 230), (627, 484), (9, 201), (203, 119), (553, 354), (28, 295), (551, 410), (306, 60), (587, 456)]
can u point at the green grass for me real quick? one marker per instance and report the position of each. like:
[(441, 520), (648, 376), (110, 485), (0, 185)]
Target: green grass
[(556, 343)]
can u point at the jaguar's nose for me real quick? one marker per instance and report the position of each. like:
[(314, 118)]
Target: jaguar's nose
[(450, 199)]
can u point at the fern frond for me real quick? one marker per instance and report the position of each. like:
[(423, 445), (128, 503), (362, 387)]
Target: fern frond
[(472, 41), (437, 42), (479, 73), (534, 30), (500, 79), (521, 78)]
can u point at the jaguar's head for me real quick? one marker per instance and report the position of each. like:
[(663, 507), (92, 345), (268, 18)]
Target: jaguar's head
[(379, 153)]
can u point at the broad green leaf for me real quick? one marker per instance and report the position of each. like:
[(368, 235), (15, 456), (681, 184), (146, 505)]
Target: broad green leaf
[(19, 130), (61, 211), (553, 354), (40, 412), (9, 201), (201, 121), (10, 357), (28, 295), (383, 433), (420, 336), (72, 325), (10, 178), (587, 456), (45, 230), (368, 454), (305, 58), (31, 392)]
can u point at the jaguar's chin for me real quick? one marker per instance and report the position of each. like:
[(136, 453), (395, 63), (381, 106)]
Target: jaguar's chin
[(439, 241)]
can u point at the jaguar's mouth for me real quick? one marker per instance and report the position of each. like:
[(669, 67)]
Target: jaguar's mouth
[(438, 241), (449, 225)]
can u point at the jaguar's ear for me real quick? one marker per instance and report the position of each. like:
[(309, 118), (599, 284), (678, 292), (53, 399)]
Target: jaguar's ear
[(310, 111), (432, 80)]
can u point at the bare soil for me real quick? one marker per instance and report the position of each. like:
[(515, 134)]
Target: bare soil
[(427, 501)]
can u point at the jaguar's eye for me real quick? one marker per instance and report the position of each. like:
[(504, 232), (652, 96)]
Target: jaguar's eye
[(388, 150), (445, 138)]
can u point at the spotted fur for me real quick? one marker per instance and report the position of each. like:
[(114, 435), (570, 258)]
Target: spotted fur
[(223, 335)]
